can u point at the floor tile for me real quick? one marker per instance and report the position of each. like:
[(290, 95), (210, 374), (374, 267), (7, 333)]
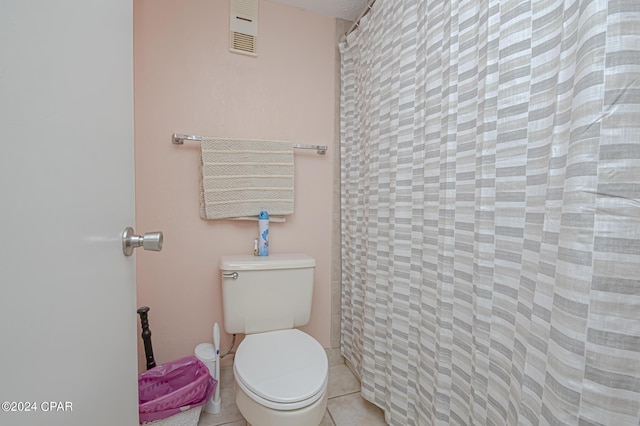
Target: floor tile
[(229, 412), (226, 377), (353, 410), (326, 420), (334, 356), (237, 423), (345, 406), (341, 381)]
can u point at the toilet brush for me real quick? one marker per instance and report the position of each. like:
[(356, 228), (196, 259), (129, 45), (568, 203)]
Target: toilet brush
[(216, 347)]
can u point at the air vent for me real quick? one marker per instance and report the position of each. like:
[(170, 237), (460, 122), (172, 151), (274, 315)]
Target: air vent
[(244, 27)]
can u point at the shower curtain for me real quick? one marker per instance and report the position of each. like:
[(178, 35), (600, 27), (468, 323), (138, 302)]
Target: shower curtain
[(491, 211)]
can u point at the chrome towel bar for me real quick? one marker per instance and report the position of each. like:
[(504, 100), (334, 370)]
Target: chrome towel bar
[(179, 139)]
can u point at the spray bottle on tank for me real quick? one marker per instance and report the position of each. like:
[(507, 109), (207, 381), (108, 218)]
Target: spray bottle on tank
[(263, 242)]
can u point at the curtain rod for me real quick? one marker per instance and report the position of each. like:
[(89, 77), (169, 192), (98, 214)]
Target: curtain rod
[(178, 139), (356, 23)]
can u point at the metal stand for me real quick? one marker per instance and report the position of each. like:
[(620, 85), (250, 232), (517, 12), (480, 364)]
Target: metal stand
[(146, 336)]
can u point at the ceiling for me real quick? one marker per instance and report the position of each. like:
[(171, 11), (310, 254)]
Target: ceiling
[(345, 9)]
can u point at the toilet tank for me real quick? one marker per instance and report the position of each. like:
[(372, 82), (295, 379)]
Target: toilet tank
[(265, 293)]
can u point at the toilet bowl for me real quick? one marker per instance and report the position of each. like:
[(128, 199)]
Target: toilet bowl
[(281, 379), (280, 372)]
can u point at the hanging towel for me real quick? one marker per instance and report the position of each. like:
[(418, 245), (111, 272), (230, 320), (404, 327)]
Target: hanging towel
[(240, 178)]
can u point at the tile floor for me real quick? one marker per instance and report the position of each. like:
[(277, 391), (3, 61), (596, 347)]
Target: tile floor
[(345, 406)]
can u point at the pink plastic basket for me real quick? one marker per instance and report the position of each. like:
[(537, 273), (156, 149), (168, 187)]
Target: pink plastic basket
[(171, 388)]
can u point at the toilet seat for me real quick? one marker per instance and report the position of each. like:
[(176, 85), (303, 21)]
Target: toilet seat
[(283, 370)]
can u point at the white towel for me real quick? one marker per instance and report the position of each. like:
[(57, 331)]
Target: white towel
[(240, 178)]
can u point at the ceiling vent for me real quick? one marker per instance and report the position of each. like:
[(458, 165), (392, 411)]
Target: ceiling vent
[(244, 27)]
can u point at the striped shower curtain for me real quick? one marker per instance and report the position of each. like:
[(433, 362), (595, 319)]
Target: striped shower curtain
[(491, 211)]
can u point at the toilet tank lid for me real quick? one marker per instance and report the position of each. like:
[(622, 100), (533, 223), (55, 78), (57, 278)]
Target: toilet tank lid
[(274, 261)]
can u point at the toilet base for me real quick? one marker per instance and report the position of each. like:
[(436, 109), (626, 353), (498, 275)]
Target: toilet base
[(259, 415)]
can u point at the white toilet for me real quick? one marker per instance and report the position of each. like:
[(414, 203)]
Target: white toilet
[(280, 372)]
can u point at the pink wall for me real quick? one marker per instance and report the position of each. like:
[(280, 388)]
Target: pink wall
[(187, 81)]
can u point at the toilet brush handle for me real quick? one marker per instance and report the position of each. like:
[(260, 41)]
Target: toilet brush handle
[(146, 336)]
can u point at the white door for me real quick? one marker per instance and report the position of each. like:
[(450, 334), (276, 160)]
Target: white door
[(67, 294)]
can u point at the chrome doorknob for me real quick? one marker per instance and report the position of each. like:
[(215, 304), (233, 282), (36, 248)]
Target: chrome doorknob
[(149, 241)]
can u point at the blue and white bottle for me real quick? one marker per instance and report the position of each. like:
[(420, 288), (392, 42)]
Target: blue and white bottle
[(263, 225)]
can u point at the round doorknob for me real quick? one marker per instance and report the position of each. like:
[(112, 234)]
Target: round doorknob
[(149, 241)]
